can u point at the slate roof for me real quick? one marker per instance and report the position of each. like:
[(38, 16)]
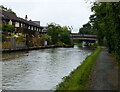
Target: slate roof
[(10, 16)]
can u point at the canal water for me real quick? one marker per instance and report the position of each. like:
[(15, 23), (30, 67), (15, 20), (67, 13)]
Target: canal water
[(40, 69)]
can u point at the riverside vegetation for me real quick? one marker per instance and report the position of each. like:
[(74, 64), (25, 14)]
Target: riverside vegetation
[(105, 23), (79, 78), (55, 34)]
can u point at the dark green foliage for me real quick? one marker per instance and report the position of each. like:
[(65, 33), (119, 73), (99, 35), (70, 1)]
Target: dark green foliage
[(86, 29), (65, 38), (7, 28), (59, 34), (53, 31), (106, 23)]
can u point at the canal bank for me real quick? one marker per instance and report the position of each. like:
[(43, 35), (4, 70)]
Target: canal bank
[(79, 78), (33, 48)]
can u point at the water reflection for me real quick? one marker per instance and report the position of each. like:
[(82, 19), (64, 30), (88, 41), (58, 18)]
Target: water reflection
[(40, 69)]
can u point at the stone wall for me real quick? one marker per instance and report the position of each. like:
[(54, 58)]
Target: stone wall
[(12, 44)]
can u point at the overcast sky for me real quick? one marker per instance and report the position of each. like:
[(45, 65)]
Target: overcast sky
[(64, 12)]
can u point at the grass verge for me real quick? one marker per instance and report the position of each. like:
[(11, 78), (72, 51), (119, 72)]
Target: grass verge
[(78, 79)]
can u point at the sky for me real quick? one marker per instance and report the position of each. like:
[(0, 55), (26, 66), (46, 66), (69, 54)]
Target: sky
[(73, 13)]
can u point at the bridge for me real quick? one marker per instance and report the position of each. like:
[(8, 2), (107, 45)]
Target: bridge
[(84, 38)]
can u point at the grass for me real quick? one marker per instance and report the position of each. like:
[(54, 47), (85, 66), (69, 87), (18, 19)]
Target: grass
[(79, 78)]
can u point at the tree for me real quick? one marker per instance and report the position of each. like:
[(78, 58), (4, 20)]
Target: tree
[(86, 29), (58, 33), (44, 38), (106, 23), (53, 32), (65, 36), (7, 28)]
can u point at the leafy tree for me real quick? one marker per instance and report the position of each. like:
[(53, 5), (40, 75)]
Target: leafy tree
[(45, 38), (58, 33), (7, 28), (106, 23), (86, 29), (65, 36), (53, 31)]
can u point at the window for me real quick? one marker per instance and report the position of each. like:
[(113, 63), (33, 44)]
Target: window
[(31, 28), (21, 25), (10, 22), (16, 24)]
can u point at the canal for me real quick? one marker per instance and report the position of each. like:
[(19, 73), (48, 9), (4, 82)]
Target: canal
[(40, 69)]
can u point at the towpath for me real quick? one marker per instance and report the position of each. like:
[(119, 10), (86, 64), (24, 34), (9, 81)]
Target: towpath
[(105, 73)]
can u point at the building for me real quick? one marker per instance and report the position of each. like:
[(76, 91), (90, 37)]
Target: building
[(43, 29), (37, 22), (20, 24)]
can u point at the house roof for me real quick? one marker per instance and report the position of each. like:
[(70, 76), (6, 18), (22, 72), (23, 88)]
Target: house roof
[(34, 24), (10, 16), (43, 27)]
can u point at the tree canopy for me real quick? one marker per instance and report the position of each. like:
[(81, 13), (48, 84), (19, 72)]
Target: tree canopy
[(7, 28), (106, 24), (86, 29), (59, 34)]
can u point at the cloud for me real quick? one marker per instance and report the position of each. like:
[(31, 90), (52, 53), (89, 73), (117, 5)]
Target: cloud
[(44, 1), (64, 12)]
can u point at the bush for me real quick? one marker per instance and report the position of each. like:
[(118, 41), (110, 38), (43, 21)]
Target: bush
[(20, 38), (7, 28)]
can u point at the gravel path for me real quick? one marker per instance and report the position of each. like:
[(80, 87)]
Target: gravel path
[(105, 75)]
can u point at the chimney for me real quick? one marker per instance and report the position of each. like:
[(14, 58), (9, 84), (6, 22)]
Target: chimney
[(26, 18)]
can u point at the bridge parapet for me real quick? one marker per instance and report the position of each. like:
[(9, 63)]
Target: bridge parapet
[(76, 36), (83, 35), (84, 38)]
